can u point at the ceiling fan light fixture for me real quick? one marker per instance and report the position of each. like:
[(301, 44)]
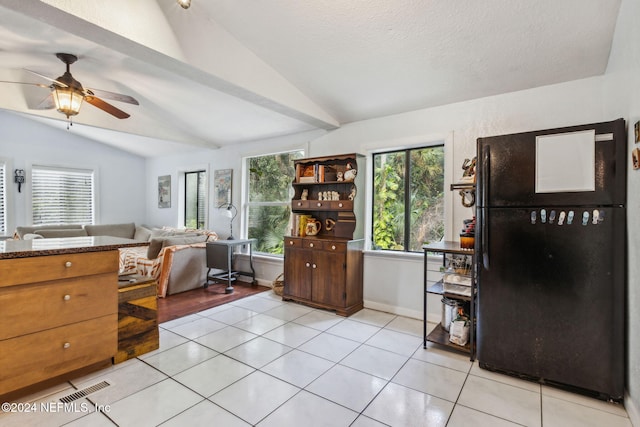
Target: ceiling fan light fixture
[(184, 3), (68, 100)]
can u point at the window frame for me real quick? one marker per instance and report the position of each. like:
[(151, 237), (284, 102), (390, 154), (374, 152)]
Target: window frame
[(3, 196), (246, 204), (94, 189), (205, 194), (406, 143)]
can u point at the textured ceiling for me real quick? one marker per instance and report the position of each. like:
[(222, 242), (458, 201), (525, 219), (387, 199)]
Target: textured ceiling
[(229, 71)]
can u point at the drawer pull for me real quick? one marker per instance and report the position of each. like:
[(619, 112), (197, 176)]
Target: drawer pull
[(68, 264), (314, 266), (299, 203), (339, 205), (310, 245), (66, 297), (308, 265), (333, 247), (291, 242), (66, 345), (319, 204)]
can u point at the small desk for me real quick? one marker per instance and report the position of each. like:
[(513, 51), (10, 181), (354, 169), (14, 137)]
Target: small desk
[(220, 257)]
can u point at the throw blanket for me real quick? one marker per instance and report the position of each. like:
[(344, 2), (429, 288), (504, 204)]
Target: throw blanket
[(134, 261)]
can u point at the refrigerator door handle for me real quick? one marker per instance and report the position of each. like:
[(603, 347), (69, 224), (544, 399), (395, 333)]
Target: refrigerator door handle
[(484, 240), (486, 173)]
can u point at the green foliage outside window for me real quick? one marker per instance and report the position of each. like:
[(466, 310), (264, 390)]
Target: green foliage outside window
[(270, 179), (401, 221)]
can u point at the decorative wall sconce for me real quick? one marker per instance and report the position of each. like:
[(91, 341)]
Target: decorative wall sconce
[(19, 178)]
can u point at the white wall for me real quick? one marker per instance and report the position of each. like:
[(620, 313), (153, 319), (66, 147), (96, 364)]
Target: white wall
[(572, 103), (622, 98), (120, 176)]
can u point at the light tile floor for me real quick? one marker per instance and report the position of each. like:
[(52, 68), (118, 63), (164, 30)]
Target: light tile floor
[(261, 361)]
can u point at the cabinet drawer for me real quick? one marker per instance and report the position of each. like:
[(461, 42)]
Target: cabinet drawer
[(53, 267), (32, 358), (320, 205), (292, 242), (335, 246), (32, 308), (299, 204), (341, 205), (312, 244)]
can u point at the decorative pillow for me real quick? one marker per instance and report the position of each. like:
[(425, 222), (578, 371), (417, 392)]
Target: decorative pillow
[(155, 245), (142, 233), (75, 232)]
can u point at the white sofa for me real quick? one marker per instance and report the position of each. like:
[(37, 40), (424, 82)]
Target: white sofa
[(175, 258)]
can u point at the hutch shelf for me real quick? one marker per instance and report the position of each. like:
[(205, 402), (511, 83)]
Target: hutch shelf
[(323, 251)]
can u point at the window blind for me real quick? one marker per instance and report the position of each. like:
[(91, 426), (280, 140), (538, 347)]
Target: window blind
[(62, 196)]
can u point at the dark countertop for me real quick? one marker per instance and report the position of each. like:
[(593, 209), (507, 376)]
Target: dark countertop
[(10, 249)]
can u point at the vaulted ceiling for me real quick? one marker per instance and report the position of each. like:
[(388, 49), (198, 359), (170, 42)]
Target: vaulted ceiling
[(228, 71)]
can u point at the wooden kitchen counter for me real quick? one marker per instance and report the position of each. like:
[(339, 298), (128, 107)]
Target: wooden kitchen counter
[(59, 316)]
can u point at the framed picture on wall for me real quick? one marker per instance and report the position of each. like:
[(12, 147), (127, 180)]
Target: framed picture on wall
[(222, 186), (164, 191)]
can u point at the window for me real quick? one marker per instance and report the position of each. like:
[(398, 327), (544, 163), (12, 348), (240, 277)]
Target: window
[(269, 199), (408, 198), (195, 199), (3, 202), (62, 195)]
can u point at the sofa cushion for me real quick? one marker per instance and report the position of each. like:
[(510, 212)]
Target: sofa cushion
[(72, 232), (158, 232), (142, 233), (30, 229), (31, 236), (126, 231)]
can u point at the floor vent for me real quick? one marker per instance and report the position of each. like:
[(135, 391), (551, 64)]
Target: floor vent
[(84, 392)]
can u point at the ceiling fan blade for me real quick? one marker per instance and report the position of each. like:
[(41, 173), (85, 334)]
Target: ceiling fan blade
[(47, 78), (105, 106), (112, 95), (47, 104), (25, 83)]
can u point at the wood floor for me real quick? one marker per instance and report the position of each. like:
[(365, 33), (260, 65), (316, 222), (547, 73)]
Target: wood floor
[(196, 300)]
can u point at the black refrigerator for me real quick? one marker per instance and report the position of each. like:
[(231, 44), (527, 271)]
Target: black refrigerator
[(551, 251)]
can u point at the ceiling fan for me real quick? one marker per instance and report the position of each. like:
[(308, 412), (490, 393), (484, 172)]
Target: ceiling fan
[(67, 93)]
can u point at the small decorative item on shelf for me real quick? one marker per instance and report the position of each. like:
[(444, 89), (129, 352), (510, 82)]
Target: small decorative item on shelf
[(352, 194), (340, 176), (350, 173), (304, 195), (313, 227), (459, 330), (467, 237), (329, 224), (469, 174)]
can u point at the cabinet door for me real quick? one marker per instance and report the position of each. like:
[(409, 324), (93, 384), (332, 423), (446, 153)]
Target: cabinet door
[(297, 272), (328, 276)]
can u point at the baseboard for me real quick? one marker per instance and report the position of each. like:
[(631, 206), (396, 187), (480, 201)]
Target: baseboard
[(414, 314), (632, 410)]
